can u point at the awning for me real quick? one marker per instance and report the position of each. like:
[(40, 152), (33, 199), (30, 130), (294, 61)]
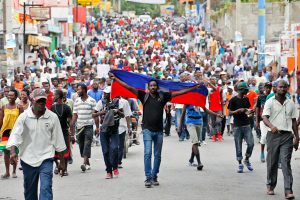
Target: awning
[(39, 40)]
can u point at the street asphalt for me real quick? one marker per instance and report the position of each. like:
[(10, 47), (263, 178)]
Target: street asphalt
[(218, 180)]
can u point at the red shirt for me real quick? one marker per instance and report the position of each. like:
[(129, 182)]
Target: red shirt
[(252, 96), (215, 103), (49, 100)]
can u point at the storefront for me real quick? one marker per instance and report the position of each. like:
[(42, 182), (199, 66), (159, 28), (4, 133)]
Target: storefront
[(55, 32), (41, 41)]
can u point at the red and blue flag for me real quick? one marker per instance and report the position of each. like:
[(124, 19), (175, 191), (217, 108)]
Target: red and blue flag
[(196, 97)]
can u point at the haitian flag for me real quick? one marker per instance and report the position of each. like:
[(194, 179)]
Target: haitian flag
[(196, 97)]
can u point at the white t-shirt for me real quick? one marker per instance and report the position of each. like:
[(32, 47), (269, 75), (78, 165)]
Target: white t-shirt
[(123, 104)]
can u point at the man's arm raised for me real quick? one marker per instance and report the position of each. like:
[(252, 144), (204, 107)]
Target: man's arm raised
[(181, 92)]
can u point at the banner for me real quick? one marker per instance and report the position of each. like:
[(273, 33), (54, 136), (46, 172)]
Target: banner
[(287, 43), (10, 41), (196, 97), (167, 10), (149, 1)]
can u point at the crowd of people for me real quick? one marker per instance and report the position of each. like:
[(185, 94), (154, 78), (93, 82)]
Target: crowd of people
[(64, 86)]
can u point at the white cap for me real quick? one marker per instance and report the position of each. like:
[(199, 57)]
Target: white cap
[(61, 75), (73, 74), (107, 90)]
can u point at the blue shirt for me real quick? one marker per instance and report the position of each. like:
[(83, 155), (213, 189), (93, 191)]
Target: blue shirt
[(193, 116), (95, 94), (70, 92)]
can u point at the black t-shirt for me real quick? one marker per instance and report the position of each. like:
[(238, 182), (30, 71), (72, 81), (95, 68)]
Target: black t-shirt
[(63, 112), (240, 119), (153, 110)]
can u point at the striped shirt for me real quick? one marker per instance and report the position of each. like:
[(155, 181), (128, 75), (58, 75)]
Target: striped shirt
[(84, 110)]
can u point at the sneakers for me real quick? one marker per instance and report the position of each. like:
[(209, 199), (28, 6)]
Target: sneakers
[(262, 157), (83, 168), (248, 165), (120, 166), (200, 167), (214, 138), (109, 176), (220, 137), (88, 167), (191, 164), (116, 172), (240, 168), (204, 143), (148, 182), (155, 181)]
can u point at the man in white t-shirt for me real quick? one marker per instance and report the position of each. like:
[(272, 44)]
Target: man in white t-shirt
[(124, 126)]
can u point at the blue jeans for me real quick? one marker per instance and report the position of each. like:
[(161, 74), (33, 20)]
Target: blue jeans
[(183, 133), (157, 139), (298, 98), (178, 112), (31, 179), (240, 133), (110, 148), (121, 146)]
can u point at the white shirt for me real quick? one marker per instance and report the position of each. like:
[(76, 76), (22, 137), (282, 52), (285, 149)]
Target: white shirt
[(123, 104), (84, 110), (280, 115), (37, 139), (127, 113)]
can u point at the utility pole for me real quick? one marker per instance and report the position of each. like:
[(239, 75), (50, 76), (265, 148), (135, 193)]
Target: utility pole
[(8, 28), (208, 13), (261, 33), (238, 27), (24, 31), (286, 15), (119, 6)]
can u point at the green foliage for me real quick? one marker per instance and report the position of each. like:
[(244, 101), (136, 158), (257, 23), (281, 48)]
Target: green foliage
[(141, 8)]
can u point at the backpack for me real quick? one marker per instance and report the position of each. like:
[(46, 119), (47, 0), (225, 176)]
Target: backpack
[(146, 97)]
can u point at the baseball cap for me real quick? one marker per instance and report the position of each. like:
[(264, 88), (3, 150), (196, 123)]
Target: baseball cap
[(107, 90), (38, 94), (243, 85)]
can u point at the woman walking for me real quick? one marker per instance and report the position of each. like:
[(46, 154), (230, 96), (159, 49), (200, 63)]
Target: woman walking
[(8, 116)]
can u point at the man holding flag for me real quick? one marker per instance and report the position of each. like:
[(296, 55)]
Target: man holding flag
[(153, 105)]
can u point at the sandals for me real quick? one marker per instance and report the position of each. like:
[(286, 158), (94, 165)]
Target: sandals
[(270, 192), (5, 176), (289, 196), (66, 173), (14, 175)]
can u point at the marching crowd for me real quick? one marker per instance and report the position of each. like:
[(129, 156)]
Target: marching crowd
[(58, 98)]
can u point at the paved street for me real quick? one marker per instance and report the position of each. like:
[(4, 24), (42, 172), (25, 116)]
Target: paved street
[(218, 180)]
